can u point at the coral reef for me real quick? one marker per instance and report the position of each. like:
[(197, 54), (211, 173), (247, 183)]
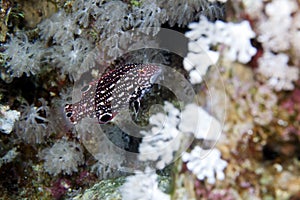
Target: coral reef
[(220, 121)]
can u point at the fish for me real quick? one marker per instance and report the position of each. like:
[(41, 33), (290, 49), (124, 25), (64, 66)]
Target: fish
[(116, 90)]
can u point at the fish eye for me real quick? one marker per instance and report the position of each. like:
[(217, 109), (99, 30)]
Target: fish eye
[(85, 88), (69, 114), (105, 118)]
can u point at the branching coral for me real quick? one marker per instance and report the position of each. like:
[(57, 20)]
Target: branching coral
[(62, 157), (273, 37), (205, 164), (164, 139), (239, 49), (278, 73), (146, 187), (171, 132), (206, 35)]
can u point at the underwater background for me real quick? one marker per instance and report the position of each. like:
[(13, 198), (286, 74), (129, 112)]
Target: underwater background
[(197, 99)]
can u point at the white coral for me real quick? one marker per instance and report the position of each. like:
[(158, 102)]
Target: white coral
[(143, 186), (197, 121), (199, 57), (279, 74), (237, 36), (149, 17), (84, 10), (163, 139), (71, 56), (206, 35), (22, 56), (63, 157), (253, 8), (7, 119), (205, 164), (61, 26), (275, 30), (173, 129)]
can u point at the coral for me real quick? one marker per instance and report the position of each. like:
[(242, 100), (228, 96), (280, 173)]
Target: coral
[(102, 23), (292, 104), (163, 139), (7, 119), (181, 13), (131, 26), (148, 16), (206, 35), (256, 46), (172, 129), (250, 103), (84, 10), (9, 156), (105, 172), (63, 157), (197, 64), (205, 164), (70, 57), (33, 124), (253, 8), (277, 38), (22, 56), (278, 74), (146, 187), (197, 121), (238, 50), (60, 26)]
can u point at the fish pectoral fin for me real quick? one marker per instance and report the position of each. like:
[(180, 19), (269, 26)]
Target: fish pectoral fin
[(136, 107)]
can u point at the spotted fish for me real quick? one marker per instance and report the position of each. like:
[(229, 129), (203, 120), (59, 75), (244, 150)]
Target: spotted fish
[(117, 89)]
